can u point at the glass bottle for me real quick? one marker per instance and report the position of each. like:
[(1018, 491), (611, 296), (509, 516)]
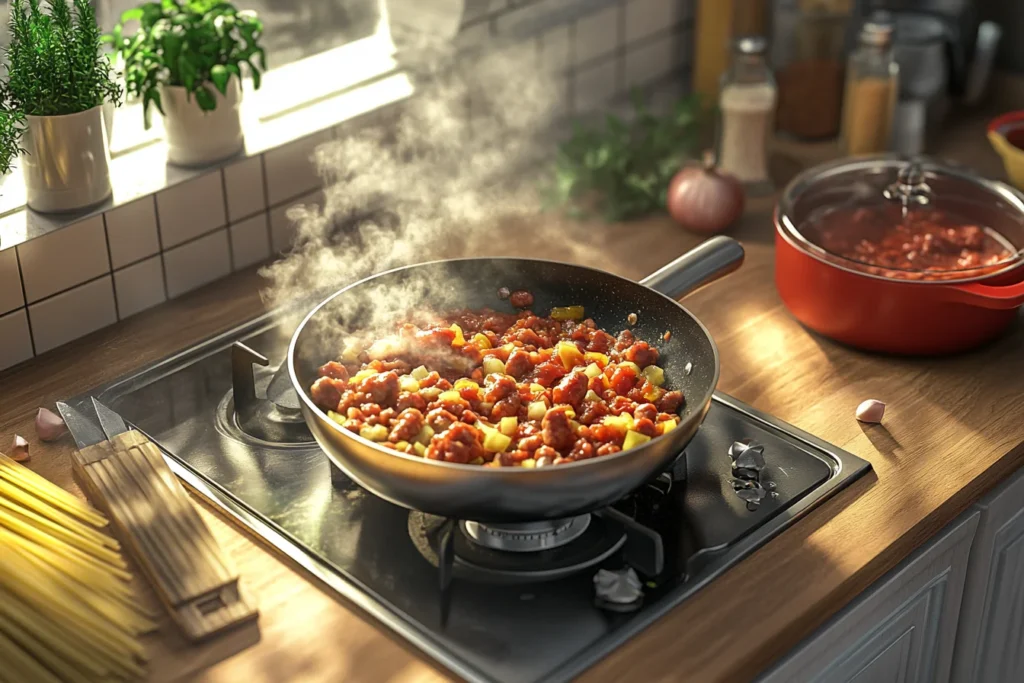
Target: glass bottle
[(872, 85), (809, 57), (746, 110)]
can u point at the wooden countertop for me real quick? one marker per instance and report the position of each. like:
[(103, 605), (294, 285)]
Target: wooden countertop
[(953, 430)]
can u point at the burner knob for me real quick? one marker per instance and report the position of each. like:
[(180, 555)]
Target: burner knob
[(747, 456), (619, 590)]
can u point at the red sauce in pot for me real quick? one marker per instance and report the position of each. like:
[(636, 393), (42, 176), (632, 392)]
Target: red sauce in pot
[(924, 245)]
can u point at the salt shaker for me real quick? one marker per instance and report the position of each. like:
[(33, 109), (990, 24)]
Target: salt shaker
[(747, 106)]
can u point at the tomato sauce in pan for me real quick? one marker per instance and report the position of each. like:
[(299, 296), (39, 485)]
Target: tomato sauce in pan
[(924, 245)]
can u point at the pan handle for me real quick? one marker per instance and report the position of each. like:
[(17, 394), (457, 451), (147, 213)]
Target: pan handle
[(702, 265)]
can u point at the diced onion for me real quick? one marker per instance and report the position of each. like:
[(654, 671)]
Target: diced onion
[(493, 365), (593, 370), (496, 442), (634, 439), (536, 410), (591, 396), (567, 313), (374, 432), (407, 383), (340, 419), (425, 435), (450, 397), (420, 449), (430, 394), (419, 373), (654, 375)]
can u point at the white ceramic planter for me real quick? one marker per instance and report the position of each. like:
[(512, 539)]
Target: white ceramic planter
[(196, 137), (66, 165)]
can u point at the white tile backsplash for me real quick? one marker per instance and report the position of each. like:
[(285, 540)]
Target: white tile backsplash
[(595, 86), (556, 49), (282, 228), (131, 232), (72, 314), (10, 282), (597, 34), (647, 17), (15, 340), (191, 209), (64, 258), (243, 185), (250, 241), (197, 263), (650, 62), (139, 286), (291, 170)]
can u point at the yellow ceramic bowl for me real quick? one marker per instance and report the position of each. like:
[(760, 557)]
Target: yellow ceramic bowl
[(1006, 134)]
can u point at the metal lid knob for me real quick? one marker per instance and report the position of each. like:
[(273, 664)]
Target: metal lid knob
[(910, 186)]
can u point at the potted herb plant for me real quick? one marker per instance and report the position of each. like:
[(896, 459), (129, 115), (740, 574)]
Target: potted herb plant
[(186, 59), (58, 78)]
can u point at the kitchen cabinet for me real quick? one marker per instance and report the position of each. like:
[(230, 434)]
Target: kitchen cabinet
[(902, 630), (990, 636)]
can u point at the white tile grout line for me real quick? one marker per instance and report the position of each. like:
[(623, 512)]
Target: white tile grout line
[(160, 243), (110, 266), (24, 298), (227, 221)]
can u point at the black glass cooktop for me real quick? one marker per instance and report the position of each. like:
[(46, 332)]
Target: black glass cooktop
[(507, 620)]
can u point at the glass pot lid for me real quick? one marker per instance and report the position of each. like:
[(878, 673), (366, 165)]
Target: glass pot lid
[(902, 218)]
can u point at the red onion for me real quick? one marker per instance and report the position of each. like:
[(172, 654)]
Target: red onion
[(702, 199)]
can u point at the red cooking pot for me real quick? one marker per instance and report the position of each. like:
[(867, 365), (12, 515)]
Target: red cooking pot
[(854, 260)]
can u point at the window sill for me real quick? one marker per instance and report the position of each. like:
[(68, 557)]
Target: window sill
[(295, 101)]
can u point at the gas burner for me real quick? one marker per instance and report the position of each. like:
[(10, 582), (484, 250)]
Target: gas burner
[(274, 419), (529, 537), (594, 540)]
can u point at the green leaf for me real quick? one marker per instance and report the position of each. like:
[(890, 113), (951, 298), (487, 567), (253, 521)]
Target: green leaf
[(205, 99), (187, 72), (220, 76), (254, 72)]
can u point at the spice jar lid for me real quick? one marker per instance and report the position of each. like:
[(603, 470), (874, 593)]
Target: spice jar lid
[(910, 219)]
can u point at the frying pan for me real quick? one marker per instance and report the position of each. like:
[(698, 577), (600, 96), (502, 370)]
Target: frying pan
[(514, 494)]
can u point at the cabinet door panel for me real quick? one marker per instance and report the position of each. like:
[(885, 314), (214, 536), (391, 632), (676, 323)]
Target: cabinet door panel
[(901, 630)]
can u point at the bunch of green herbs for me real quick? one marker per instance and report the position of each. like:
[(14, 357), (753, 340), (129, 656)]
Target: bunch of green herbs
[(189, 43), (55, 63), (622, 170)]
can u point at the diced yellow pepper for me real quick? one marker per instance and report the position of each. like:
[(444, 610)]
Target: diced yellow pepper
[(591, 396), (419, 373), (340, 419), (496, 442), (407, 383), (459, 339), (481, 341), (569, 354), (508, 425), (492, 365), (537, 389), (567, 313), (450, 396), (653, 393), (374, 432), (654, 375), (464, 383), (361, 375), (634, 439), (529, 463), (536, 410), (575, 426), (623, 422), (592, 370), (632, 366), (595, 357), (425, 435), (508, 348), (420, 449), (668, 425), (401, 446)]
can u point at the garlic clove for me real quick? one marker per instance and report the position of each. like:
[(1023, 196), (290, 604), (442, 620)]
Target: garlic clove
[(49, 425), (19, 451), (871, 411)]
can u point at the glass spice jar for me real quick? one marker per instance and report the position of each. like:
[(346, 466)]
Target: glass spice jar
[(808, 50), (872, 86), (746, 109)]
